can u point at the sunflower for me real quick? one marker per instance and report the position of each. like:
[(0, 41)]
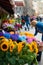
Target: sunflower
[(30, 47), (4, 46), (4, 40), (10, 41), (34, 47), (12, 46), (1, 36), (36, 50), (23, 43), (20, 46)]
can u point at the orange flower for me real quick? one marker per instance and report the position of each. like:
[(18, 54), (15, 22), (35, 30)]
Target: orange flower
[(11, 32)]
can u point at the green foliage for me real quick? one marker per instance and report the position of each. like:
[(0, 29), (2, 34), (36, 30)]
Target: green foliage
[(15, 58), (4, 17)]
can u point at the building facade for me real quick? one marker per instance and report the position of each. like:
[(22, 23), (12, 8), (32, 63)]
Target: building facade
[(38, 6), (28, 7)]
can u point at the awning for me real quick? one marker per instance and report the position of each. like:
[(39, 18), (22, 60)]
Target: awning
[(5, 4), (19, 3)]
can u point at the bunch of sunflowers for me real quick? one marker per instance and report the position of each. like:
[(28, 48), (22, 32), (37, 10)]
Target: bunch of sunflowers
[(13, 53)]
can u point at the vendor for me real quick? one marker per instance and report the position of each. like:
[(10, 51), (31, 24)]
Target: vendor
[(39, 28)]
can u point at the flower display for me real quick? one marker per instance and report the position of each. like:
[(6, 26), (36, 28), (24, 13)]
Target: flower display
[(14, 53)]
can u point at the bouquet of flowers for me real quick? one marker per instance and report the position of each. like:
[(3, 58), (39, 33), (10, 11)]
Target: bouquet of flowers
[(13, 53), (18, 26)]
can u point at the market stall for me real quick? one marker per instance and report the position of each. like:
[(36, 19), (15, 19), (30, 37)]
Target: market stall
[(17, 48), (7, 6)]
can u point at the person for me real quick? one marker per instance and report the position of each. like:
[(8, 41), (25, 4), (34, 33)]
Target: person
[(39, 28), (23, 20), (27, 21), (38, 20)]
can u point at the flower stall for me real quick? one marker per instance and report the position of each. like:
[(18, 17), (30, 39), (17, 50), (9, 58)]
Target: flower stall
[(18, 49)]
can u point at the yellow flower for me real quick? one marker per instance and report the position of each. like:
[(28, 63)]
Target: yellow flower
[(34, 47), (12, 46), (4, 46), (10, 41), (36, 50), (19, 47), (30, 47), (21, 33), (28, 34), (23, 43), (10, 21), (2, 37)]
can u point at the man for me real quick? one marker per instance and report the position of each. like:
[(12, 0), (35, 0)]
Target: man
[(39, 28), (27, 21)]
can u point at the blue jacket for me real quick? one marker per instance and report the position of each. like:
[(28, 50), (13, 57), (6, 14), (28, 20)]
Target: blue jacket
[(27, 19), (39, 25)]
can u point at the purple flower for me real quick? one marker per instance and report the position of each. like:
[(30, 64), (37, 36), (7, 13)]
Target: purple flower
[(14, 37), (29, 40), (1, 33)]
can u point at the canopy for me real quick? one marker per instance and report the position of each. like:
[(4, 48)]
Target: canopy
[(5, 4), (19, 3)]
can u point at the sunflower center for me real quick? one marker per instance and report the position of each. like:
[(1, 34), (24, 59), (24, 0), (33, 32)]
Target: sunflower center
[(11, 47), (4, 46)]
